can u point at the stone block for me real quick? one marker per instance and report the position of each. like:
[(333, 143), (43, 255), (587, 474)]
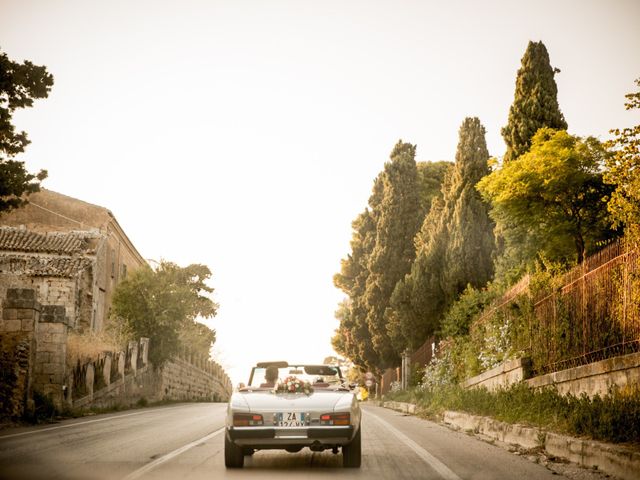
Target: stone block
[(54, 348), (43, 357), (617, 460), (19, 303), (42, 379), (44, 328), (12, 325), (526, 437), (89, 378), (9, 314), (106, 369), (21, 294), (53, 314), (28, 325), (53, 368), (564, 447), (59, 337), (26, 313), (44, 336)]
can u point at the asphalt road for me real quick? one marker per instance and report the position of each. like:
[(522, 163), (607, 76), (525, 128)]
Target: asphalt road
[(186, 442)]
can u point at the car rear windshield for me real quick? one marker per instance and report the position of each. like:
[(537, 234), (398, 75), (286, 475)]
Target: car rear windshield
[(320, 376)]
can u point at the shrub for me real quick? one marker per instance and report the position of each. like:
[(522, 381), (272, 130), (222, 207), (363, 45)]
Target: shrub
[(45, 410), (614, 417)]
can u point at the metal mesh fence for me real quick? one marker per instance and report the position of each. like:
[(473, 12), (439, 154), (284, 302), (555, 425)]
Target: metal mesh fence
[(593, 316)]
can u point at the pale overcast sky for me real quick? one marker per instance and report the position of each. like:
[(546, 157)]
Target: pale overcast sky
[(246, 135)]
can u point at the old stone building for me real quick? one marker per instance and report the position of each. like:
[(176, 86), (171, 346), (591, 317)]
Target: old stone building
[(72, 253)]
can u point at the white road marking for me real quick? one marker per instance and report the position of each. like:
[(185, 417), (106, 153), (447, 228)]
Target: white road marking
[(432, 461), (77, 424), (165, 458)]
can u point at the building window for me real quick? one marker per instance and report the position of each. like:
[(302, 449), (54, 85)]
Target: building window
[(124, 271)]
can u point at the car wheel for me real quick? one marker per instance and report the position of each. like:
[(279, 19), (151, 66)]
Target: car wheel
[(352, 453), (233, 454)]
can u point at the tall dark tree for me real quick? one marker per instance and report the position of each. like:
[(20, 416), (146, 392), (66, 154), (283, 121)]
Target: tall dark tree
[(454, 246), (430, 179), (535, 103), (352, 338), (20, 84), (471, 242), (397, 218), (418, 298)]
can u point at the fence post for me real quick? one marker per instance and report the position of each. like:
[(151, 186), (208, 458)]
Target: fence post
[(406, 369)]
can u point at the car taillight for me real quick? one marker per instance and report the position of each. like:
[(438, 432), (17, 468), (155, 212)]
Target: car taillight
[(247, 420), (335, 419)]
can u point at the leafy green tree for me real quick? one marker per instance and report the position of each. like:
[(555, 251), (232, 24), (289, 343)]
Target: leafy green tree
[(550, 201), (623, 171), (20, 85), (535, 103), (163, 305), (197, 337), (454, 246), (398, 218)]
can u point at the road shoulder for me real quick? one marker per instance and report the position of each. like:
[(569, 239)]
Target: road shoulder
[(575, 458)]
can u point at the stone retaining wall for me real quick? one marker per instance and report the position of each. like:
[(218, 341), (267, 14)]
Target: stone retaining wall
[(177, 380), (505, 374), (124, 392), (180, 380), (595, 378)]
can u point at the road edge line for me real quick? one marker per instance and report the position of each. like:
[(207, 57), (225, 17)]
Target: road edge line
[(432, 461), (165, 458), (77, 424)]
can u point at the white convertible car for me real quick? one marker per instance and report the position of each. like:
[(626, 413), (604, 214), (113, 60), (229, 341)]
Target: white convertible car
[(291, 406)]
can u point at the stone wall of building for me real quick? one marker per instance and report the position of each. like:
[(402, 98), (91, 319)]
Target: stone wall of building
[(113, 258), (33, 351), (51, 352), (18, 332)]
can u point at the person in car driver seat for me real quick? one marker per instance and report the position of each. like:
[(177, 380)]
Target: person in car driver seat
[(270, 375)]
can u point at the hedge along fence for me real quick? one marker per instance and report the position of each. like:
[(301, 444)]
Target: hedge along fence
[(588, 314), (595, 315)]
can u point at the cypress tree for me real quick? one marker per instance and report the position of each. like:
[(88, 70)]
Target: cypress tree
[(397, 217), (454, 246), (471, 242), (418, 298), (352, 337), (535, 103)]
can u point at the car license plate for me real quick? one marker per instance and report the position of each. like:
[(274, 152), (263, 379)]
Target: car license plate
[(291, 419)]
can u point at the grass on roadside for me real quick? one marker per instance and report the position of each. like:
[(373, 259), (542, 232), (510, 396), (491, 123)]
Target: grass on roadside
[(613, 418)]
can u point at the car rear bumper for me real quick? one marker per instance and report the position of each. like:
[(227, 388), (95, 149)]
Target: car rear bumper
[(270, 437)]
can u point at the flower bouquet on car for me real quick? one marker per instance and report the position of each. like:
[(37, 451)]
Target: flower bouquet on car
[(293, 385)]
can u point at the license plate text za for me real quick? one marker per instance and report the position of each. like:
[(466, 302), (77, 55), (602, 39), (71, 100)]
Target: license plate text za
[(291, 419)]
